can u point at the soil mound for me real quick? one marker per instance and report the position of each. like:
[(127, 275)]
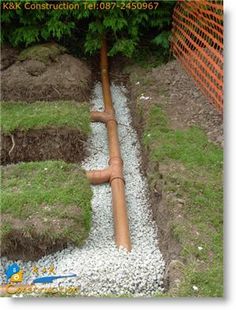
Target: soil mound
[(45, 72)]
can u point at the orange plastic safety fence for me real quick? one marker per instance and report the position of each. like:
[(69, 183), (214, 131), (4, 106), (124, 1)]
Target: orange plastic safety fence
[(197, 41)]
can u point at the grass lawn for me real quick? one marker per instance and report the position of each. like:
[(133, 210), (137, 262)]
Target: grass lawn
[(44, 203), (25, 116), (47, 204), (192, 171)]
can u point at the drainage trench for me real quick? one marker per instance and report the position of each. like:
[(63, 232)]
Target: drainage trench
[(102, 268)]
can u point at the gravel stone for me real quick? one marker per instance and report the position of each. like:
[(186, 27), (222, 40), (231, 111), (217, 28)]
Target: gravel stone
[(102, 268)]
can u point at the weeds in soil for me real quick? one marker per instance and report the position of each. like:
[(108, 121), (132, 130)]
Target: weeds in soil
[(25, 116), (193, 183)]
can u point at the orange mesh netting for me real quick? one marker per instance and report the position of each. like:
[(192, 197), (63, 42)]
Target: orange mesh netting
[(197, 41)]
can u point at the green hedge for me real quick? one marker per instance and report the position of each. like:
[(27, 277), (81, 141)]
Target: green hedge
[(81, 30)]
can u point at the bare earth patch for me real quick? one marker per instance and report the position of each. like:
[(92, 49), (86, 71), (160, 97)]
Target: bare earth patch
[(43, 144), (46, 72), (175, 91)]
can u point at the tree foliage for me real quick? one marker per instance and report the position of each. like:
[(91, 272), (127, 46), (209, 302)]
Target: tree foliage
[(81, 30)]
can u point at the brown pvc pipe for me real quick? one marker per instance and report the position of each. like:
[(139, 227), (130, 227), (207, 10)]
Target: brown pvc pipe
[(114, 173), (105, 79)]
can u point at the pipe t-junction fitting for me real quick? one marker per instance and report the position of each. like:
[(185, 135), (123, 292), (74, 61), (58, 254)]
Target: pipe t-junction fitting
[(114, 171), (103, 117)]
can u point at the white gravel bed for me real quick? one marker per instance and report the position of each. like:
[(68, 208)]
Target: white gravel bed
[(103, 269)]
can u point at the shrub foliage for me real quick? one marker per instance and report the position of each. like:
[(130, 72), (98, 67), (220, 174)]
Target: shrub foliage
[(81, 30)]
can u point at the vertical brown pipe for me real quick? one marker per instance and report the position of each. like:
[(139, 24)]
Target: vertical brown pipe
[(121, 225), (105, 78)]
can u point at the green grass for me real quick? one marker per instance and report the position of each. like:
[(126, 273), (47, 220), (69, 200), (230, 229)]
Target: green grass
[(191, 146), (23, 116), (48, 191), (195, 176)]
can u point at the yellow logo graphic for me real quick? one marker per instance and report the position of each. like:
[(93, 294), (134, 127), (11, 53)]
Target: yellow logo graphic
[(17, 277), (14, 273)]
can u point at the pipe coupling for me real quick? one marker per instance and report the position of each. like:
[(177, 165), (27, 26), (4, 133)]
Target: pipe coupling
[(116, 164)]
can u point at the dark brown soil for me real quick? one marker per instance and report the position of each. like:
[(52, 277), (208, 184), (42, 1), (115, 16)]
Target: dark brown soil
[(62, 78), (43, 144), (28, 239), (32, 245), (8, 57)]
